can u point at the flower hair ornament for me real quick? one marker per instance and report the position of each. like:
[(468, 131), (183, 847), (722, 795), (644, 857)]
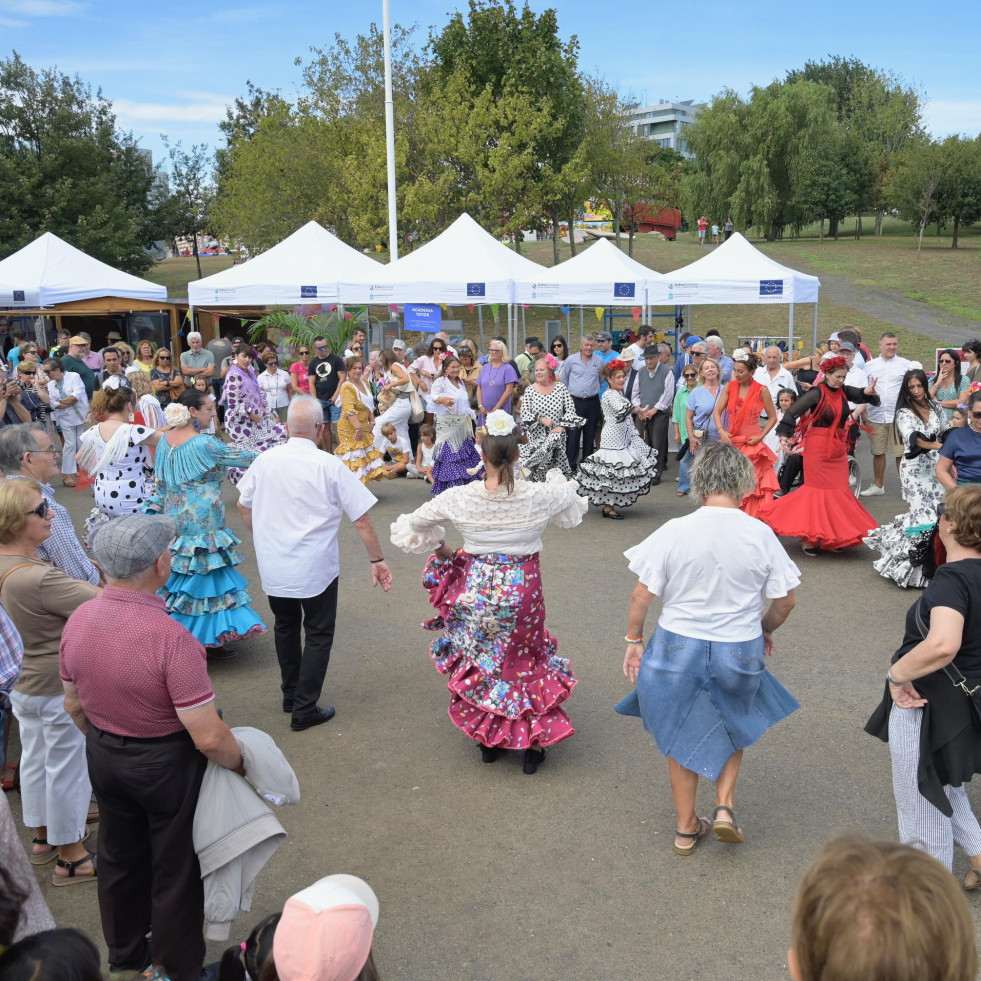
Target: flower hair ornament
[(551, 361), (915, 366), (177, 414), (615, 365), (116, 381), (740, 355), (499, 423), (833, 364)]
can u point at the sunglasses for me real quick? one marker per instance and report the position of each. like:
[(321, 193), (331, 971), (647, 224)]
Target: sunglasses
[(272, 363), (690, 376), (164, 357), (435, 349), (41, 510), (976, 415), (947, 361), (357, 347), (321, 347), (304, 352), (557, 347)]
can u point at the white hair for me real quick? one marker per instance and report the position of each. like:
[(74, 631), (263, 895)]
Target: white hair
[(194, 335), (304, 415), (721, 469), (716, 342)]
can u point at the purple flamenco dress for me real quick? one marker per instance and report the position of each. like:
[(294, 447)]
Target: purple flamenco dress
[(455, 458)]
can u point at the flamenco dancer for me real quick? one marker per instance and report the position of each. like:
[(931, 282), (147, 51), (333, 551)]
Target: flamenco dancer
[(746, 400), (920, 423), (624, 467), (824, 512), (455, 458), (506, 682), (204, 592)]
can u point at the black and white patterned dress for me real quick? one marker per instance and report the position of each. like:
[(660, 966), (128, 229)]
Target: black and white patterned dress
[(624, 466), (545, 449), (904, 535)]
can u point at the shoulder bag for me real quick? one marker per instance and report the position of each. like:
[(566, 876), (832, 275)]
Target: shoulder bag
[(954, 674)]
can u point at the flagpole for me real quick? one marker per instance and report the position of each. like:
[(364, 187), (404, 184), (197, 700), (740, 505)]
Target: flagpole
[(393, 227)]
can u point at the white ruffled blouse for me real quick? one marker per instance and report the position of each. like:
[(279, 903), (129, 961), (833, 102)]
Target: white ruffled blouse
[(493, 520)]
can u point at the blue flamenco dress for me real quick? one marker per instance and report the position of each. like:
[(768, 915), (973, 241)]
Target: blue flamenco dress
[(204, 592)]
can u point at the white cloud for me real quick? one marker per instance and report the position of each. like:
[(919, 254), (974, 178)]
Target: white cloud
[(946, 116), (241, 15), (44, 8), (10, 22), (203, 107)]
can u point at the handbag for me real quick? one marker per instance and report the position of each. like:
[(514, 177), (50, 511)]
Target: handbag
[(954, 674), (682, 450), (418, 410)]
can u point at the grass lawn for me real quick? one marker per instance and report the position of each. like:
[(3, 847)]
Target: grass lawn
[(940, 276)]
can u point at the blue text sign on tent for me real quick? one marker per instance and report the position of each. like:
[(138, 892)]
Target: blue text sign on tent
[(771, 287), (308, 292), (476, 289), (423, 316), (624, 289)]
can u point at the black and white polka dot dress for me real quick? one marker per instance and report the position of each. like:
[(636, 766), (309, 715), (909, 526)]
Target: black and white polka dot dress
[(120, 488)]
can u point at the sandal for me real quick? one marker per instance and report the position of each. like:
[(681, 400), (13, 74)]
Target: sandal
[(73, 879), (808, 548), (42, 858), (972, 879), (727, 831), (610, 513), (704, 825), (12, 782)]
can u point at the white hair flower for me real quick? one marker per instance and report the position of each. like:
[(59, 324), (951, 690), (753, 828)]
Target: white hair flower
[(177, 414), (741, 355), (500, 423), (914, 366)]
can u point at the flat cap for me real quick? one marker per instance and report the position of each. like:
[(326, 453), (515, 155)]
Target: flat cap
[(129, 545)]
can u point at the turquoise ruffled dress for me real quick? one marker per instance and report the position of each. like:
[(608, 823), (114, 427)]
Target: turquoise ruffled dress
[(204, 592)]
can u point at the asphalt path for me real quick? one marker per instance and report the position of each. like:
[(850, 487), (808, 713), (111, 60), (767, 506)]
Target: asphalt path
[(483, 872)]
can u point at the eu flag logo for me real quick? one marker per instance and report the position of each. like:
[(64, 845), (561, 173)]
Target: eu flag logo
[(624, 289), (308, 292), (771, 287), (476, 289), (18, 296)]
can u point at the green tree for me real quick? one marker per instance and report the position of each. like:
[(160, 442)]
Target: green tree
[(959, 187), (912, 185), (191, 194), (66, 169)]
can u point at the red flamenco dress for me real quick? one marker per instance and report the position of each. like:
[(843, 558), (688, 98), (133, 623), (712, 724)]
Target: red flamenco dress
[(824, 511), (744, 423)]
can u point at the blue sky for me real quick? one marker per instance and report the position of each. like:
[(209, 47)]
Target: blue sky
[(171, 68)]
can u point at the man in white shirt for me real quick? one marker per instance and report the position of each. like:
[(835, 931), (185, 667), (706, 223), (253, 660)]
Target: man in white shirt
[(773, 375), (652, 399), (299, 561), (635, 352), (887, 371)]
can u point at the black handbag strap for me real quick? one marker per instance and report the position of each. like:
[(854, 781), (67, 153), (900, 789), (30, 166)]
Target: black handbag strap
[(957, 679)]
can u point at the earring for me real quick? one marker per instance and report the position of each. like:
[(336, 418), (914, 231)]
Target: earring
[(195, 424)]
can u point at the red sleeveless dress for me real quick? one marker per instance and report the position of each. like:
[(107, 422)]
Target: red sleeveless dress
[(744, 422)]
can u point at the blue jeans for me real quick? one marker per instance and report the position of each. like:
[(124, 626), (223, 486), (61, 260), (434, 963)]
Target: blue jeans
[(332, 412), (684, 484), (4, 715)]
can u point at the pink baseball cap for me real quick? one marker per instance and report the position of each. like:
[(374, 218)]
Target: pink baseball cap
[(325, 931)]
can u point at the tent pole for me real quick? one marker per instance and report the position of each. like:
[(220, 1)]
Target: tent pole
[(581, 327), (790, 340), (815, 325), (568, 328), (480, 323), (524, 327)]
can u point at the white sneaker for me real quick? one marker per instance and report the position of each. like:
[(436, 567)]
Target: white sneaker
[(852, 480), (872, 491)]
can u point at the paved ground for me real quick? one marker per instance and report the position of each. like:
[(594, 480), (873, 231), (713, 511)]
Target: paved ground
[(484, 872)]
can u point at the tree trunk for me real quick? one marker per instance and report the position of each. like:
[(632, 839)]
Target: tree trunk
[(858, 227), (919, 244), (630, 242), (878, 223), (616, 225), (939, 226), (821, 231), (833, 227), (957, 228), (572, 234), (517, 241), (197, 258), (556, 258)]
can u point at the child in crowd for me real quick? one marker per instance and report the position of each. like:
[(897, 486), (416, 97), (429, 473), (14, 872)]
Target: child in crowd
[(959, 419), (423, 467), (397, 453), (784, 400), (203, 384)]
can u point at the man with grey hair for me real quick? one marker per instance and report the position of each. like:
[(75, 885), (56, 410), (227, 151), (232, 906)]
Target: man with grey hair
[(197, 361), (773, 374), (652, 398), (717, 351), (299, 560), (27, 451), (150, 727)]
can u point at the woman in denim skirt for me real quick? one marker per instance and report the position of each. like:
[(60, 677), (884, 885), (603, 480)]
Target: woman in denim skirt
[(703, 690)]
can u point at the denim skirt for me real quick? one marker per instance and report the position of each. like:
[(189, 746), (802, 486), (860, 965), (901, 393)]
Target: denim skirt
[(704, 700)]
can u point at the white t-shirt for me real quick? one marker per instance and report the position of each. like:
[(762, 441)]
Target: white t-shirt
[(712, 569), (889, 379), (401, 445), (298, 495), (274, 388), (427, 453), (782, 379)]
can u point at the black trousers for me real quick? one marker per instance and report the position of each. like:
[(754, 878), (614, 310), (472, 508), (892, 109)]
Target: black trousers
[(588, 409), (303, 664), (654, 432), (149, 876)]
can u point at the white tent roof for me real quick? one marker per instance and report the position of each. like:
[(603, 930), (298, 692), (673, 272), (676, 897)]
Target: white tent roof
[(304, 268), (735, 272), (602, 275), (50, 271), (463, 264)]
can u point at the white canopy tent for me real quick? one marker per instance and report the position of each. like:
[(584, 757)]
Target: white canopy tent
[(463, 265), (736, 272), (49, 271), (304, 268), (601, 275)]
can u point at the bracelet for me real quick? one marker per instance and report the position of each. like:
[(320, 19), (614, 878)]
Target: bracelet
[(373, 561), (892, 681), (633, 640)]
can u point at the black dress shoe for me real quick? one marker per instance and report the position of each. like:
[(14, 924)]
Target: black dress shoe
[(533, 757), (288, 703), (316, 718), (488, 753)]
